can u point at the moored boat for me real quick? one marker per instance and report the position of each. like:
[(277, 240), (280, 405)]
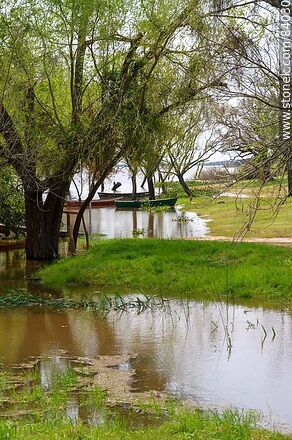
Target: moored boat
[(97, 203), (146, 203), (123, 195)]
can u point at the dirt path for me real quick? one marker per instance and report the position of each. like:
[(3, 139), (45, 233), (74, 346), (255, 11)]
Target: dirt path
[(285, 241)]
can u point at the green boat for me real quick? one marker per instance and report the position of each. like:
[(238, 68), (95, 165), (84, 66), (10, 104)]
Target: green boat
[(146, 203)]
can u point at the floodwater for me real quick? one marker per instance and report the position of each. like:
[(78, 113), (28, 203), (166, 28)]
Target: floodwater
[(112, 223), (210, 352)]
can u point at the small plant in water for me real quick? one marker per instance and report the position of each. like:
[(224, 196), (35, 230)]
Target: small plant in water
[(138, 231), (153, 209), (182, 219)]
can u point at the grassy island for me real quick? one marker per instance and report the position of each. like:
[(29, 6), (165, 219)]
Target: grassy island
[(179, 268)]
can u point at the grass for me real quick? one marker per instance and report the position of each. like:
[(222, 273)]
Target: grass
[(229, 215), (49, 419), (179, 268), (186, 425), (104, 304)]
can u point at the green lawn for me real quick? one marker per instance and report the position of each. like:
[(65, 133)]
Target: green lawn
[(230, 215), (179, 268)]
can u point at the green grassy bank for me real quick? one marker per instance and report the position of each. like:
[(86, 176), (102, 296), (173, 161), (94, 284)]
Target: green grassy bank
[(38, 413), (179, 268), (185, 426)]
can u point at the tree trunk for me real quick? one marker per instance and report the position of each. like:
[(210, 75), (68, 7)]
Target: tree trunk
[(162, 181), (84, 206), (43, 223), (143, 182), (184, 185), (134, 186), (151, 188)]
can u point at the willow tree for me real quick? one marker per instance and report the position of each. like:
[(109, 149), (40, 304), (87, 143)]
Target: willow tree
[(51, 109), (87, 80)]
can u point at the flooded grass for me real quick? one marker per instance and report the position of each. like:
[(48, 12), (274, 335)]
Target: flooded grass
[(39, 413), (22, 298), (184, 426), (179, 268)]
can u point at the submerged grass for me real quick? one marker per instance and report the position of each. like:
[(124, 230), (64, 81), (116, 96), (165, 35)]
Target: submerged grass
[(179, 268), (49, 418), (22, 298)]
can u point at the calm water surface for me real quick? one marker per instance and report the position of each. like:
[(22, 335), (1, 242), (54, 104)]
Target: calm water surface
[(122, 223), (210, 352)]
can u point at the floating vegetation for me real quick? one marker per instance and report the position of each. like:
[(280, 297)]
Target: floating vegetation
[(23, 298), (146, 206), (138, 231), (183, 219)]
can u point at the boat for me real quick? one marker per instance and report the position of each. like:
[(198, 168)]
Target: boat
[(96, 203), (146, 203), (125, 196)]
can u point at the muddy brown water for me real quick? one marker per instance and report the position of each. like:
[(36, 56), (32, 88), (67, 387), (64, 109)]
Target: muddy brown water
[(210, 352)]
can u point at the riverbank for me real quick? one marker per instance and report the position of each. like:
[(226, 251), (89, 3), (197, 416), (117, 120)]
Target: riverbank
[(75, 404), (179, 268), (185, 425)]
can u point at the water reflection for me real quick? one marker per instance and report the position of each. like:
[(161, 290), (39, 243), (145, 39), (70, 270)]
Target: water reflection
[(182, 350), (111, 223), (18, 273)]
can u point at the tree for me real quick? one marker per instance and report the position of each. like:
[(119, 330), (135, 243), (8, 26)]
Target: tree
[(88, 81), (193, 142), (277, 39)]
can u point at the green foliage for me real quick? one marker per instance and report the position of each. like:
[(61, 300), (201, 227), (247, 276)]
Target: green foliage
[(11, 201)]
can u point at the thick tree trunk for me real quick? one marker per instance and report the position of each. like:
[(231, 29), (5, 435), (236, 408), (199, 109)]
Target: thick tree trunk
[(184, 185), (43, 223), (151, 188)]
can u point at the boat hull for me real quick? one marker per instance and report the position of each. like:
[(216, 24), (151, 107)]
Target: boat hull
[(125, 196), (94, 204)]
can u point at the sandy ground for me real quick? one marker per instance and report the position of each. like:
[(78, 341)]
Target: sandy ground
[(274, 240)]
